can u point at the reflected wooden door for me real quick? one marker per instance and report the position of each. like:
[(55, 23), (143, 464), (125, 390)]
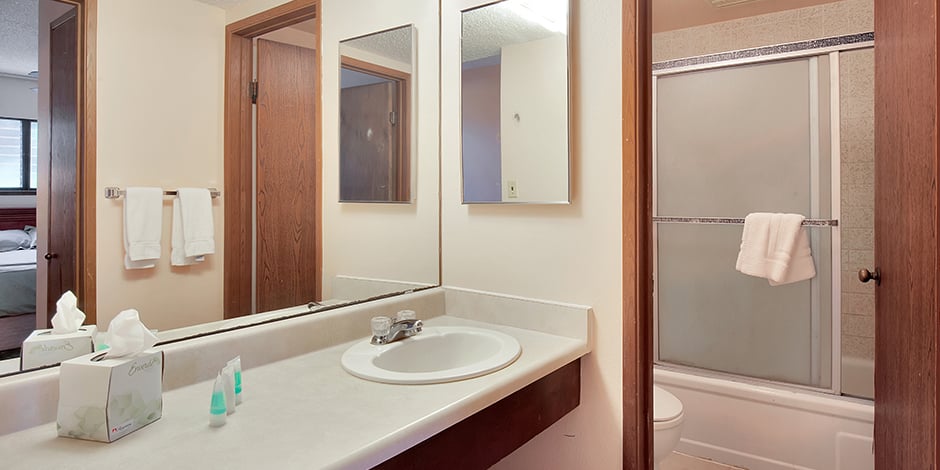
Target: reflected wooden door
[(286, 176), (369, 142), (63, 140), (907, 243)]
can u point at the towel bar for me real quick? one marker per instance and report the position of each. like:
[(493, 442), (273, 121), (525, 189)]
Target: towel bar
[(112, 192), (735, 221)]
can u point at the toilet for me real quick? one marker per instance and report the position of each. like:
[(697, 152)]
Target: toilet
[(667, 424)]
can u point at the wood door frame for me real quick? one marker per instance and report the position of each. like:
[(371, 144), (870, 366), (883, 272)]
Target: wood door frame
[(637, 235), (238, 165), (403, 166), (86, 262)]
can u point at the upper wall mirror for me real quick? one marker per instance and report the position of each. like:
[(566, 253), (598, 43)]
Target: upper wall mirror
[(367, 250), (514, 108), (376, 125)]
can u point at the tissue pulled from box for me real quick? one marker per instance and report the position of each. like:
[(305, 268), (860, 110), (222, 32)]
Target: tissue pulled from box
[(128, 336), (68, 318)]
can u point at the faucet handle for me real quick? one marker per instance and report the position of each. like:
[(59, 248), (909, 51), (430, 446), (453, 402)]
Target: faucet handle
[(381, 326), (405, 315)]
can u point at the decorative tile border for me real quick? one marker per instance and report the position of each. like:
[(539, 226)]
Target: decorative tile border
[(791, 47)]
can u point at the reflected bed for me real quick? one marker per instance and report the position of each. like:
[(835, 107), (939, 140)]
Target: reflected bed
[(17, 283)]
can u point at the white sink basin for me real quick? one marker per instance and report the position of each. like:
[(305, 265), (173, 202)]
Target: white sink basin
[(437, 354)]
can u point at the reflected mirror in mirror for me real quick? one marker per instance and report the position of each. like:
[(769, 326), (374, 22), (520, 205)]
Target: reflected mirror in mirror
[(376, 127), (151, 136), (514, 105)]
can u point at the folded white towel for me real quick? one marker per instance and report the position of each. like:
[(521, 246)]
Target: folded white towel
[(775, 247), (196, 214), (143, 225), (177, 254)]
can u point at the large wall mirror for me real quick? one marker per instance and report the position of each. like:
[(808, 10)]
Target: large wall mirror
[(152, 134), (377, 82), (514, 107)]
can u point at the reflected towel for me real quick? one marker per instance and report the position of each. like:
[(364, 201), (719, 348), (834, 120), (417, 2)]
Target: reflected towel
[(196, 215), (775, 247), (143, 225), (177, 243)]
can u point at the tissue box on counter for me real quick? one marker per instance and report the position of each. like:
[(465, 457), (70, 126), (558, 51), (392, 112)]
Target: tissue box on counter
[(42, 348), (107, 399)]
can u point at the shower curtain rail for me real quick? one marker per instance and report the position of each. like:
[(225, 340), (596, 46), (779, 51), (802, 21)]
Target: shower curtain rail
[(735, 221)]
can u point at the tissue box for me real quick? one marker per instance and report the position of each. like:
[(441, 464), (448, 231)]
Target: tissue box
[(107, 399), (42, 348)]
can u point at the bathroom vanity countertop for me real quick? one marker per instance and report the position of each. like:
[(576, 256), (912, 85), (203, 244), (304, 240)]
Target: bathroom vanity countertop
[(303, 412)]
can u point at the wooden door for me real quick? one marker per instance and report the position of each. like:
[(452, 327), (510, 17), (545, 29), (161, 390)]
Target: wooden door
[(907, 247), (369, 142), (63, 148), (287, 178)]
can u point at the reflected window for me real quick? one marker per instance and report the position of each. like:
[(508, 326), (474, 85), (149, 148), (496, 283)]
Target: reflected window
[(18, 154)]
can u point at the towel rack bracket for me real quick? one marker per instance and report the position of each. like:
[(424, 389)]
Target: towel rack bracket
[(113, 192)]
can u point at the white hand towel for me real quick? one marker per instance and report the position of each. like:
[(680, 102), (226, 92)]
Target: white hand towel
[(775, 247), (196, 214), (143, 225), (177, 254)]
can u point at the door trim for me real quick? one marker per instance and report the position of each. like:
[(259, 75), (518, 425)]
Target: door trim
[(238, 166), (637, 235)]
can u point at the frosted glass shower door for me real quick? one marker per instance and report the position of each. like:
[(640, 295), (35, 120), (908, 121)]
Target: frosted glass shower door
[(730, 141)]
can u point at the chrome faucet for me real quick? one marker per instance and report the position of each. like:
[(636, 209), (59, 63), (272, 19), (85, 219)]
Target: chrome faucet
[(385, 331)]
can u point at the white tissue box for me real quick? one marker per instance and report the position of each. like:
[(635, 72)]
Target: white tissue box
[(42, 348), (107, 399)]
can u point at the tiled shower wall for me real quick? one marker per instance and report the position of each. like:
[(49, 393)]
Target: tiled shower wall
[(857, 130)]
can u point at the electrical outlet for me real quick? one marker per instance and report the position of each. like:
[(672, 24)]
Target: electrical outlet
[(513, 189)]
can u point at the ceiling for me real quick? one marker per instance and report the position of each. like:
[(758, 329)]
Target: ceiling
[(486, 30), (19, 36), (677, 14), (394, 44)]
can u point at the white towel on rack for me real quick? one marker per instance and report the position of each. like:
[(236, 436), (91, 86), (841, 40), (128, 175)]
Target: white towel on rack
[(775, 247), (177, 244), (143, 226), (196, 216)]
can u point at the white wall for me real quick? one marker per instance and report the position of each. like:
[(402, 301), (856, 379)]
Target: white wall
[(16, 98), (533, 120), (569, 253), (160, 76)]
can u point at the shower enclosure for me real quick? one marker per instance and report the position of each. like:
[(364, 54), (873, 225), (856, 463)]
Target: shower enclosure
[(736, 133)]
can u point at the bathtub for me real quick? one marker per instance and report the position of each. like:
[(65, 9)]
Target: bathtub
[(761, 427)]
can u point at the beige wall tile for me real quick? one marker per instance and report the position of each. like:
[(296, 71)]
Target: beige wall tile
[(858, 325), (856, 346), (858, 304)]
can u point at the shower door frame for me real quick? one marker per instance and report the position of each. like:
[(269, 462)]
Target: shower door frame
[(830, 47)]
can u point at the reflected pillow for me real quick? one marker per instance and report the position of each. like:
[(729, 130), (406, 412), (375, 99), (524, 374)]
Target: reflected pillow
[(14, 240), (33, 234)]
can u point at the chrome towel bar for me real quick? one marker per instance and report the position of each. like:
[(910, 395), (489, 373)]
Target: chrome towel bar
[(112, 192)]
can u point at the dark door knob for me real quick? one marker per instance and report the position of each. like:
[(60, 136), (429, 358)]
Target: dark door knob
[(865, 275), (49, 256)]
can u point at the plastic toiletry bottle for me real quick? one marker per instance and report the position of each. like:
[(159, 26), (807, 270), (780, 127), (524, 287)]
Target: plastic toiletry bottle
[(217, 406), (237, 365), (228, 387)]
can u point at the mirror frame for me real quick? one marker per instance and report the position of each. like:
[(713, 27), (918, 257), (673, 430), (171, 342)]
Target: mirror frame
[(569, 94), (408, 157)]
